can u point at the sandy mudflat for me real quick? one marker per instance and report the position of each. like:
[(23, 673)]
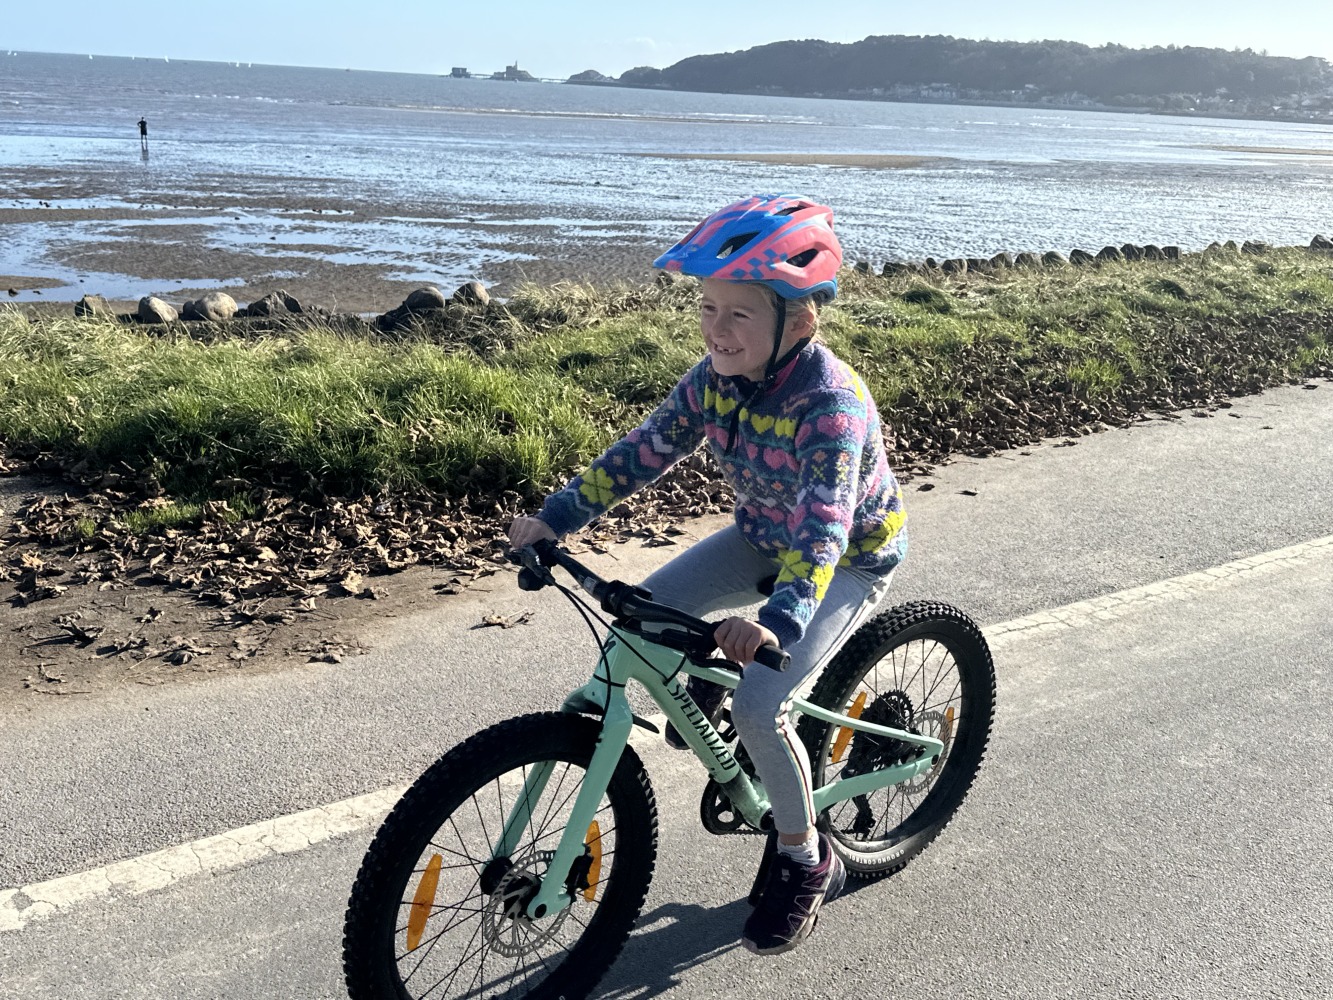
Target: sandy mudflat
[(322, 249), (873, 161), (1280, 150)]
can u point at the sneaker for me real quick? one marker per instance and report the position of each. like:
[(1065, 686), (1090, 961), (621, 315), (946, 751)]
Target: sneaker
[(789, 904), (709, 697)]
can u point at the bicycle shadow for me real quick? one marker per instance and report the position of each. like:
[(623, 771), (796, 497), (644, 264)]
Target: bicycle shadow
[(691, 934)]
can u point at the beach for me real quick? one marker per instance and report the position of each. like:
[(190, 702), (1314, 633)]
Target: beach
[(348, 191), (307, 246)]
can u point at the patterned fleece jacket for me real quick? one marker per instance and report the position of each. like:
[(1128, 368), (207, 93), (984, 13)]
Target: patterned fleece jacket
[(812, 482)]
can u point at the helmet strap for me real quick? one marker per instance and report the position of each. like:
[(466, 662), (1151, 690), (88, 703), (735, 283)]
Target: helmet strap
[(772, 368)]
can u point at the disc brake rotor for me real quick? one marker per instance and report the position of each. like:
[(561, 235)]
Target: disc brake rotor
[(504, 921)]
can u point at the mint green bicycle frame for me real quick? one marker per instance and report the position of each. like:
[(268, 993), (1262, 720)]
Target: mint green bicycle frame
[(627, 657)]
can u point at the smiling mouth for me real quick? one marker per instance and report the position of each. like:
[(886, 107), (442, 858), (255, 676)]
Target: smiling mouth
[(725, 351)]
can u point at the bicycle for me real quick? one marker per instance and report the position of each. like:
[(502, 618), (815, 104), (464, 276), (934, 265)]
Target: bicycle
[(531, 845)]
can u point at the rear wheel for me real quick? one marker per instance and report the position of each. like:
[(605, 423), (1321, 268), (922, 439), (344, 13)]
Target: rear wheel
[(434, 914), (924, 668)]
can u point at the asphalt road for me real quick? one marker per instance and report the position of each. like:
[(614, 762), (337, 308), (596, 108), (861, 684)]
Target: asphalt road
[(1152, 820)]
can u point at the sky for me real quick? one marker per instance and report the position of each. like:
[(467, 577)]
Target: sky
[(557, 39)]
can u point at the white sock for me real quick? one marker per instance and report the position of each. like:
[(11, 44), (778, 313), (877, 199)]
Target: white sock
[(806, 852)]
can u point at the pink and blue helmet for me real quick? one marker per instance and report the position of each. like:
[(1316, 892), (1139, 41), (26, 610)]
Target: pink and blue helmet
[(783, 241)]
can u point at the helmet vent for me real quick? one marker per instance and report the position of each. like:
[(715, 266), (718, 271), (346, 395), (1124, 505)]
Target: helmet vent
[(735, 244), (789, 211), (803, 258)]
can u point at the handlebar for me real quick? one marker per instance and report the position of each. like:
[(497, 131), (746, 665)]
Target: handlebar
[(632, 604)]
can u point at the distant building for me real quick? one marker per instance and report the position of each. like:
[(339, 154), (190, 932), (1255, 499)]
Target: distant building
[(513, 73), (460, 73)]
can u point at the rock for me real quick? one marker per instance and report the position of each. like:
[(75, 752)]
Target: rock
[(892, 268), (1213, 248), (1321, 243), (473, 294), (954, 265), (272, 304), (1026, 259), (1053, 258), (1002, 260), (1151, 252), (863, 266), (979, 264), (1132, 252), (154, 310), (1254, 247), (292, 303), (1230, 246), (93, 305), (213, 307), (425, 298), (1110, 254), (931, 264), (667, 278), (1171, 253)]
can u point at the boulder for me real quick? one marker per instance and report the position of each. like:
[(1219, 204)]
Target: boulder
[(93, 305), (1053, 258), (1132, 252), (954, 265), (893, 268), (272, 304), (1254, 247), (1151, 252), (472, 294), (1110, 254), (425, 298), (1171, 253), (1230, 246), (1002, 260), (1026, 259), (1213, 248), (1321, 243), (213, 307), (931, 264), (863, 266), (979, 264), (154, 310)]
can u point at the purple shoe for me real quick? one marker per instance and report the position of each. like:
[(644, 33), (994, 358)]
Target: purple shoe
[(789, 905), (709, 697)]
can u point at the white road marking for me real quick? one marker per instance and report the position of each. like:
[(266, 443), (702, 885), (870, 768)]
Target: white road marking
[(298, 831)]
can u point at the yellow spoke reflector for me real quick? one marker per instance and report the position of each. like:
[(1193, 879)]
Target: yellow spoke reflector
[(594, 843), (845, 733), (423, 902), (948, 725)]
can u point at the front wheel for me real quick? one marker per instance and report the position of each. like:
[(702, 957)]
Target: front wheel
[(435, 913), (924, 668)]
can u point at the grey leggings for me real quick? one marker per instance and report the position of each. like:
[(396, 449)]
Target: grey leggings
[(723, 571)]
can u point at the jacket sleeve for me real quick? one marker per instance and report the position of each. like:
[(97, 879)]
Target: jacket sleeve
[(829, 441), (671, 432)]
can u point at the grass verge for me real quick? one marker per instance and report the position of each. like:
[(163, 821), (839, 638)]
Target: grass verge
[(510, 399)]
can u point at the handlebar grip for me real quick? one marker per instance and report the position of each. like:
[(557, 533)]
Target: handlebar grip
[(773, 657)]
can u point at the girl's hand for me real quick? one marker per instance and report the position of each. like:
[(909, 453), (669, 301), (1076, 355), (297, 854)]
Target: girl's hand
[(526, 530), (739, 639)]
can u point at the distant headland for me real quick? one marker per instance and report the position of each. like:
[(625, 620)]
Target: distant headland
[(942, 69)]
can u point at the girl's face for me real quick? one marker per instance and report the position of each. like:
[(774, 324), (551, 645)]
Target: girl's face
[(738, 320)]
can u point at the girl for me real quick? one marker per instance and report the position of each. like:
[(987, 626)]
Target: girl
[(799, 439)]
